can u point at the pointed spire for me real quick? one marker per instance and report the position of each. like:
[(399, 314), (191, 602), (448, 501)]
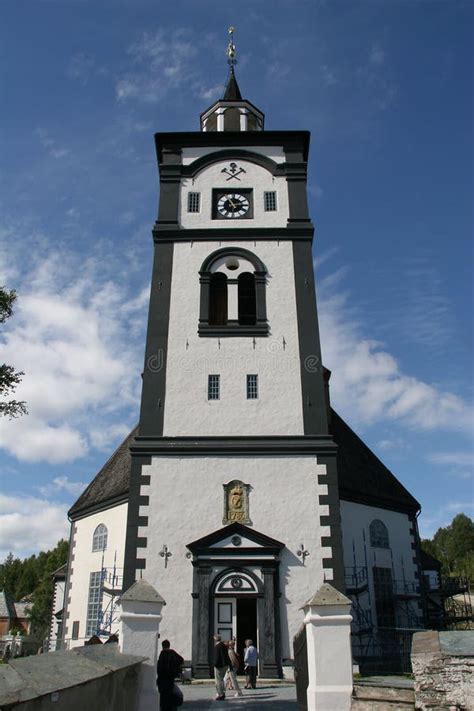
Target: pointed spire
[(232, 91)]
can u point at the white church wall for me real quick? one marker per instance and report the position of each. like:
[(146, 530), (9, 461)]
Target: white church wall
[(191, 358), (186, 503), (255, 177), (87, 561), (355, 521)]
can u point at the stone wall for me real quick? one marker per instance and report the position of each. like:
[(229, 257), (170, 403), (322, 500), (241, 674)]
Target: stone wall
[(443, 665), (94, 678)]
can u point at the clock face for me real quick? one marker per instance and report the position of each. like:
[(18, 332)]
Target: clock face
[(233, 205)]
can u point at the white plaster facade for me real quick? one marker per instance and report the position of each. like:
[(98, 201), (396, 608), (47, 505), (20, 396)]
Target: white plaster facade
[(255, 177), (86, 561), (278, 409), (186, 498), (398, 557)]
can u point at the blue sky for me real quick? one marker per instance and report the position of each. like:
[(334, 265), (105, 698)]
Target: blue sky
[(385, 89)]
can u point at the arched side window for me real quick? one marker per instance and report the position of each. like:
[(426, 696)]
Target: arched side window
[(99, 539), (233, 299), (379, 534)]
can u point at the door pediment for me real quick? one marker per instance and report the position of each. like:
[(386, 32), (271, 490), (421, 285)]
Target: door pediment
[(236, 539)]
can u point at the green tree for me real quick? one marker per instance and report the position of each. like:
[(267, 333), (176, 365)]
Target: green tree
[(9, 377), (40, 615), (453, 546)]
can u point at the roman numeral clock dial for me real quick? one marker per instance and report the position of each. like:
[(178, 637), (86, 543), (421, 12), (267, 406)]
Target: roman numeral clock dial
[(232, 205)]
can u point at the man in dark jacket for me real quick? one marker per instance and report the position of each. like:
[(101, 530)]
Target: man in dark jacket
[(168, 668), (221, 664)]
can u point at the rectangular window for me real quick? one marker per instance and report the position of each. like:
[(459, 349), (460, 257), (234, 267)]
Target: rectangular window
[(194, 202), (213, 387), (270, 201), (94, 603), (75, 630), (252, 387)]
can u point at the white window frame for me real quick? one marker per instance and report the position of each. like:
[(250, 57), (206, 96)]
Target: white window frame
[(99, 538), (94, 603)]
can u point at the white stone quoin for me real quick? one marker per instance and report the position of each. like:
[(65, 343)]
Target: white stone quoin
[(140, 619), (328, 639)]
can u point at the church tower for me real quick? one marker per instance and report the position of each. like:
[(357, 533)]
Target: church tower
[(233, 508)]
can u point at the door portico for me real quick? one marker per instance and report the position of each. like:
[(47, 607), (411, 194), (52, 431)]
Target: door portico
[(236, 590)]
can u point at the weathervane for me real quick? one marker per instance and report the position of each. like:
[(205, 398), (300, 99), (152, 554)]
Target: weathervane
[(231, 48)]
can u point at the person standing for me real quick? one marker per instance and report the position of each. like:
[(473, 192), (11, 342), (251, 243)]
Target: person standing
[(221, 665), (234, 666), (250, 663), (168, 668)]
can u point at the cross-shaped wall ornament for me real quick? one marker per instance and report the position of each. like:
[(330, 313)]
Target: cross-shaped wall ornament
[(165, 553)]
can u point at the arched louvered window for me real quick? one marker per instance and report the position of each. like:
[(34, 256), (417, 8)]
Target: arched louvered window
[(233, 300), (99, 539), (218, 300), (379, 534)]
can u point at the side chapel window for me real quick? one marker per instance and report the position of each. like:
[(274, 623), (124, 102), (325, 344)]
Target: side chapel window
[(99, 539), (233, 299), (379, 534)]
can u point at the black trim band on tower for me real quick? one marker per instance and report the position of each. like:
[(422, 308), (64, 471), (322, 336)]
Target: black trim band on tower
[(154, 372), (167, 143), (295, 232), (315, 416), (239, 445)]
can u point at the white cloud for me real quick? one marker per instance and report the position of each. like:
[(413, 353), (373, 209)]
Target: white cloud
[(377, 55), (60, 484), (163, 60), (368, 381), (70, 334), (31, 523), (50, 145), (460, 459)]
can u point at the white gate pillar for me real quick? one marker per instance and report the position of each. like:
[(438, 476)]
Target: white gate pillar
[(328, 640), (140, 619)]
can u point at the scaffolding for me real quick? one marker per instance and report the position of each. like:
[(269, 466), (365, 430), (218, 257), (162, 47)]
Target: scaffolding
[(110, 591), (386, 613), (448, 603)]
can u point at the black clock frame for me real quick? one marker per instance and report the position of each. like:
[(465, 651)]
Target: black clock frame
[(219, 192)]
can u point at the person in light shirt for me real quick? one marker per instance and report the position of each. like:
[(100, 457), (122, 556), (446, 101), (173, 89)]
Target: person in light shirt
[(250, 662)]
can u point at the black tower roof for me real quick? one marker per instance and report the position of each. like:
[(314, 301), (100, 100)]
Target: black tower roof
[(232, 91)]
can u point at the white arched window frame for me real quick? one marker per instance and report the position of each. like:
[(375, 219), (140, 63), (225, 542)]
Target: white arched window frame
[(99, 539), (379, 534)]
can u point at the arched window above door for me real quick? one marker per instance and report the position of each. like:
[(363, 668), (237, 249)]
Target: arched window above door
[(233, 299)]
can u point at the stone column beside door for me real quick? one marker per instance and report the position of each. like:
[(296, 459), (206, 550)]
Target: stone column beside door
[(140, 617), (328, 639)]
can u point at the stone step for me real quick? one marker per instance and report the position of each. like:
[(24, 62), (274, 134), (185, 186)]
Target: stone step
[(379, 697), (383, 693), (375, 705)]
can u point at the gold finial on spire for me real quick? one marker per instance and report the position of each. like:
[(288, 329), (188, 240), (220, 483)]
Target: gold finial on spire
[(231, 48)]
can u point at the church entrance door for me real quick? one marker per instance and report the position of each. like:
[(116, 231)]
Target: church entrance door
[(246, 626)]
